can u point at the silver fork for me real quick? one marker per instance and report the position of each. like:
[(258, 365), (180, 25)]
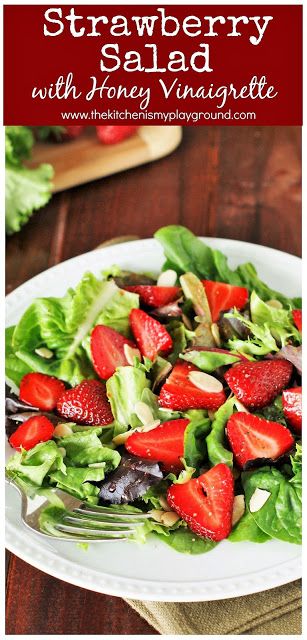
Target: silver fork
[(82, 522)]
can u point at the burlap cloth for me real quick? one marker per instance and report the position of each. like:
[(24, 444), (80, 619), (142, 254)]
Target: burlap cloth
[(276, 612)]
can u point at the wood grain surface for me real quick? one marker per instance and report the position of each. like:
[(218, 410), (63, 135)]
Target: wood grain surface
[(232, 182)]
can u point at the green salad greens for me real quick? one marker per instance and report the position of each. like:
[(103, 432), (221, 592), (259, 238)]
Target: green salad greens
[(54, 338)]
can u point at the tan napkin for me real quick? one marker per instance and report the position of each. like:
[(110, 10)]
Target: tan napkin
[(275, 612)]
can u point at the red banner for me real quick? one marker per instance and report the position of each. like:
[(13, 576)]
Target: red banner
[(153, 65)]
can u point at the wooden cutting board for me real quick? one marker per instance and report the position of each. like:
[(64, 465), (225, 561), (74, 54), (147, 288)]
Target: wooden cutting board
[(86, 159)]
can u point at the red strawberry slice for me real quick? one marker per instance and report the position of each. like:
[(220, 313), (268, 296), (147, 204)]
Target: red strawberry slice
[(41, 391), (256, 384), (31, 432), (292, 406), (107, 349), (73, 131), (297, 318), (151, 337), (154, 296), (253, 438), (206, 503), (116, 133), (86, 403), (222, 296), (164, 444), (180, 394)]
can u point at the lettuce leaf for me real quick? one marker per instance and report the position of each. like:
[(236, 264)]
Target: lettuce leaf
[(279, 321), (84, 448), (124, 390), (185, 252), (216, 440), (208, 361), (30, 469), (281, 515), (195, 447), (63, 325)]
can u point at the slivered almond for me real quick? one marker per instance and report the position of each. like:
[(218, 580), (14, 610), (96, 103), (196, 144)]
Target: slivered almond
[(167, 278), (240, 406), (211, 414), (143, 412), (43, 352), (276, 304), (131, 353), (62, 430), (238, 508), (216, 334), (150, 426), (169, 518), (164, 504), (205, 382), (122, 437), (157, 514), (258, 499)]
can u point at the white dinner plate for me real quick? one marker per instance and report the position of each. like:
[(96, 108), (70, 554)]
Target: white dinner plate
[(154, 571)]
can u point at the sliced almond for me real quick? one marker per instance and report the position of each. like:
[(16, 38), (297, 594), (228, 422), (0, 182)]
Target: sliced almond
[(216, 334), (150, 426), (258, 499), (276, 304), (205, 382), (143, 412), (167, 278), (43, 352), (62, 430), (240, 406), (157, 514), (131, 353), (169, 518), (164, 504), (122, 437), (238, 508)]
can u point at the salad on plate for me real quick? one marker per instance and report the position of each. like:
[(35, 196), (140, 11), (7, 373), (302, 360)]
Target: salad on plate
[(178, 394)]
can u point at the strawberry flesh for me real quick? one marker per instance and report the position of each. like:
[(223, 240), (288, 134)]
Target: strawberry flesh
[(31, 432), (112, 134), (206, 503), (165, 444), (254, 438), (107, 350), (86, 403), (41, 391), (222, 297), (180, 394), (297, 318), (292, 407), (154, 296), (150, 335), (256, 384)]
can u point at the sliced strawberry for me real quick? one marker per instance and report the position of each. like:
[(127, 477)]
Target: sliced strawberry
[(115, 133), (107, 349), (73, 131), (153, 296), (297, 318), (151, 337), (292, 406), (86, 403), (206, 503), (253, 438), (180, 394), (256, 384), (164, 444), (41, 391), (31, 432), (222, 296)]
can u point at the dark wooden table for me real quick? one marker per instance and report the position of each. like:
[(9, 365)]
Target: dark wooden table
[(232, 182)]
